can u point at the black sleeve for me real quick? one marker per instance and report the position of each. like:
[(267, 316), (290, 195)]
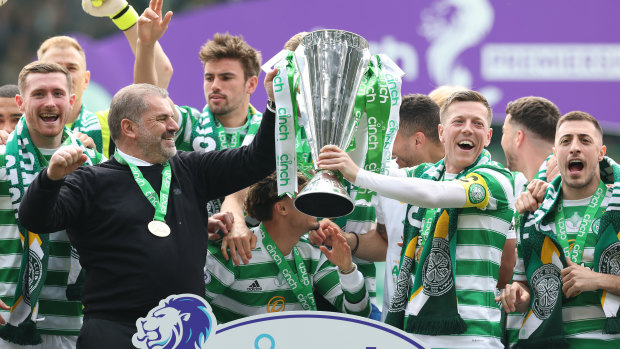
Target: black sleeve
[(44, 209), (229, 170)]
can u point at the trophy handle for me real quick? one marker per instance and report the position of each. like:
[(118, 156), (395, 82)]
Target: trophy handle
[(324, 197)]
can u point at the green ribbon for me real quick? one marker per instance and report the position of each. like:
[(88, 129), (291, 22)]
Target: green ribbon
[(159, 202), (286, 127), (382, 102), (300, 284), (576, 252)]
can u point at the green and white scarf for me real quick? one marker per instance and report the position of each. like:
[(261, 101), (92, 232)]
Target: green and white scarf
[(243, 136), (429, 305), (23, 163), (544, 258), (202, 132)]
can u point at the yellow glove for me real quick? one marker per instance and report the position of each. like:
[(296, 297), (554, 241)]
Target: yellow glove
[(121, 13)]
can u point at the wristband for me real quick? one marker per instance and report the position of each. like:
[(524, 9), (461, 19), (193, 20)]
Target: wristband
[(345, 272), (271, 106), (357, 243), (125, 18)]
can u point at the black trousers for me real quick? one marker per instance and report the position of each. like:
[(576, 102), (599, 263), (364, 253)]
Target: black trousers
[(105, 334)]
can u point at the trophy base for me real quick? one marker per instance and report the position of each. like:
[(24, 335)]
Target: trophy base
[(324, 197)]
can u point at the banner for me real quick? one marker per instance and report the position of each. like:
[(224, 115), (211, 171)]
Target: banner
[(504, 49)]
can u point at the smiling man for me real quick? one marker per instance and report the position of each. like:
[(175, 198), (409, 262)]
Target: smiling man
[(228, 120), (46, 100), (566, 279), (458, 214), (138, 220)]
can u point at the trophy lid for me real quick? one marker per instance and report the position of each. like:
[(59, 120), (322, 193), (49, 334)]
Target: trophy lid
[(333, 36)]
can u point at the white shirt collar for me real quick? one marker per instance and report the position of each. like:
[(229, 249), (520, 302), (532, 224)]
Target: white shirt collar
[(133, 160)]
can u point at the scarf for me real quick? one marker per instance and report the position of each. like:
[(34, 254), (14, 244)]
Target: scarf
[(544, 258), (242, 137), (22, 166), (429, 305)]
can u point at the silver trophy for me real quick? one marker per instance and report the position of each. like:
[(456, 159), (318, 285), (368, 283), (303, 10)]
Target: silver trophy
[(332, 64)]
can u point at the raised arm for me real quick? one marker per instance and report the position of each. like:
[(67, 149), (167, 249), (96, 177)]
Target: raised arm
[(125, 18), (415, 191), (150, 28)]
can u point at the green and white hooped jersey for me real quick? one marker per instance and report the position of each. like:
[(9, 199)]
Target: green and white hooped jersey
[(481, 234), (196, 131), (61, 317), (361, 220), (582, 316), (258, 288)]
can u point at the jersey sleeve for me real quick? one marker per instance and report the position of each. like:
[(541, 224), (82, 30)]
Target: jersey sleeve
[(219, 273), (347, 293), (519, 270), (489, 189), (416, 191), (106, 137)]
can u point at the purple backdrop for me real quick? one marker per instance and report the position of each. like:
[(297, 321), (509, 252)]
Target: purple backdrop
[(564, 50)]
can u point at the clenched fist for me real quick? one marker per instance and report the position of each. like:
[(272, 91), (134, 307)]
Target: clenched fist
[(64, 161)]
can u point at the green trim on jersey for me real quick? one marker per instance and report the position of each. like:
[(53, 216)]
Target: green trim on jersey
[(258, 287)]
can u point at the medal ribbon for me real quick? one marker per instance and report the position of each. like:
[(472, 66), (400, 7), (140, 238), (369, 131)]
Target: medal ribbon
[(160, 205), (301, 286), (576, 252)]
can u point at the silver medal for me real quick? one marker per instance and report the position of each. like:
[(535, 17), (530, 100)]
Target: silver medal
[(159, 228)]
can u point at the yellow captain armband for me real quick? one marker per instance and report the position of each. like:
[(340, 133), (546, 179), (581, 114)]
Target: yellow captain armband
[(476, 190), (125, 18)]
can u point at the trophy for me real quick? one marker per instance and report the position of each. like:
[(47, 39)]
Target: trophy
[(332, 64)]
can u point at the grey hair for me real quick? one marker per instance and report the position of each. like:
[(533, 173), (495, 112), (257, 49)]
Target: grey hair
[(129, 103)]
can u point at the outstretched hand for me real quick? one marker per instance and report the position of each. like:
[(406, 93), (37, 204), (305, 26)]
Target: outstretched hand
[(64, 161), (340, 254), (336, 159), (151, 24)]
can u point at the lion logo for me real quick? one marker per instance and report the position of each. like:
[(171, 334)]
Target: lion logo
[(180, 321)]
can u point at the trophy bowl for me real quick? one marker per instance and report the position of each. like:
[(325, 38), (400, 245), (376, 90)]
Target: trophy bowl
[(332, 64)]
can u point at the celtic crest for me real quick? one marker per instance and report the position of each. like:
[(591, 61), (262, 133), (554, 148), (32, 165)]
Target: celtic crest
[(403, 285), (609, 262), (32, 275), (477, 193), (437, 270), (546, 284)]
